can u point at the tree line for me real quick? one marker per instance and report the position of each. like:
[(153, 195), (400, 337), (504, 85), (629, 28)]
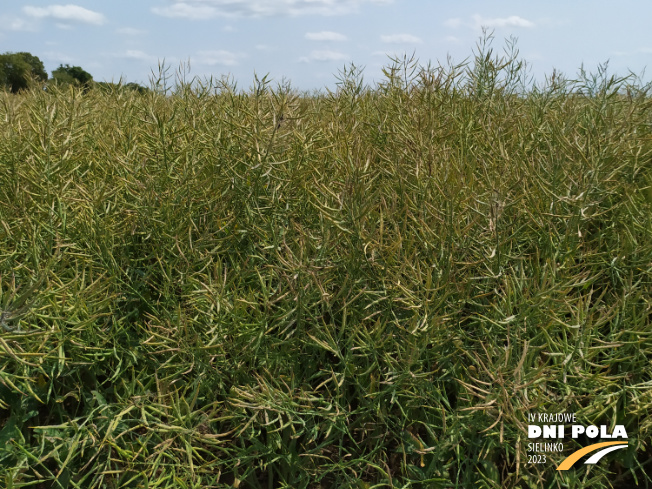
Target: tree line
[(22, 71)]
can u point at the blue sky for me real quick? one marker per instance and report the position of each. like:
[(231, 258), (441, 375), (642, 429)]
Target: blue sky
[(309, 41)]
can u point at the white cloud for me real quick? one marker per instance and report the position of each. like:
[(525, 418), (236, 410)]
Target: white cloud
[(511, 21), (325, 36), (454, 23), (187, 11), (391, 53), (477, 22), (70, 13), (130, 31), (17, 25), (218, 57), (401, 39), (10, 23), (208, 9), (139, 55), (324, 55), (58, 57)]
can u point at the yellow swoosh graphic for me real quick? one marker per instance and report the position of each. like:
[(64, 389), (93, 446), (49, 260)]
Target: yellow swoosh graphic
[(575, 456)]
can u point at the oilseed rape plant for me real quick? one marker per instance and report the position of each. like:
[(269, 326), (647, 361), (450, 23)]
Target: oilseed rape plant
[(205, 286)]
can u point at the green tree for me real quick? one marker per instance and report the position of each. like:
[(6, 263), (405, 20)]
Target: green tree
[(66, 74), (138, 88), (18, 71), (113, 87)]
